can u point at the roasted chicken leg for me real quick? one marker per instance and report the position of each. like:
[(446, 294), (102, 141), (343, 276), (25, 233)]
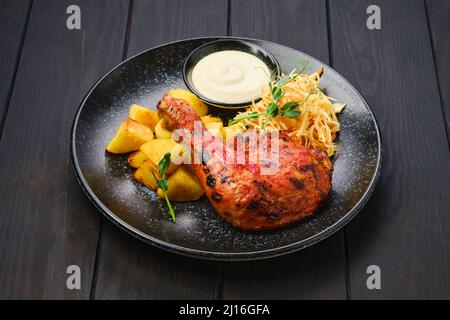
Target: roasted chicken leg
[(238, 190)]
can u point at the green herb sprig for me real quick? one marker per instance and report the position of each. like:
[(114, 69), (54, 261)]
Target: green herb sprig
[(276, 89), (251, 115), (287, 110), (162, 183)]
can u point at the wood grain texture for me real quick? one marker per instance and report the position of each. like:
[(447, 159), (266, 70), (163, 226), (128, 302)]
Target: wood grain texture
[(405, 227), (317, 272), (46, 223), (13, 19), (161, 21), (131, 269), (128, 268), (439, 23), (299, 24)]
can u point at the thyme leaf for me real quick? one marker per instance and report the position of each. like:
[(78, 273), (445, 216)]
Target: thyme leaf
[(162, 183)]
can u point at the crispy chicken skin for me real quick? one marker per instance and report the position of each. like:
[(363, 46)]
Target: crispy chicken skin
[(239, 192)]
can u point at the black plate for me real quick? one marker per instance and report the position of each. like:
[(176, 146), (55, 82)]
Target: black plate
[(199, 231)]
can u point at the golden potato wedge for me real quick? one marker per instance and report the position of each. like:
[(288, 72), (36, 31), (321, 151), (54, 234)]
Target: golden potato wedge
[(209, 118), (161, 131), (156, 149), (182, 186), (192, 99), (215, 128), (136, 159), (144, 175), (129, 137), (230, 131), (143, 115)]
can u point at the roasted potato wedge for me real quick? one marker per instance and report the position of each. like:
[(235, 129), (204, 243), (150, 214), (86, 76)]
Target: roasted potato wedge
[(230, 131), (129, 137), (209, 118), (156, 149), (144, 175), (161, 131), (215, 128), (182, 186), (192, 99), (143, 115), (136, 159)]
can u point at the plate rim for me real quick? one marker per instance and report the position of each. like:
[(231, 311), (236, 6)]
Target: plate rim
[(212, 255)]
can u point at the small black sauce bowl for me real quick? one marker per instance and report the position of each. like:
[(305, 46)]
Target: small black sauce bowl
[(222, 45)]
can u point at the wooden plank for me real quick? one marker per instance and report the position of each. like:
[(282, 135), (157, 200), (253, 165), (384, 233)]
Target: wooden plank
[(146, 272), (405, 226), (13, 20), (299, 24), (131, 269), (316, 272), (161, 21), (439, 23), (46, 223)]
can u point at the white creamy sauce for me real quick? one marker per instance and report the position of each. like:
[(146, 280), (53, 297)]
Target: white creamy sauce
[(230, 76)]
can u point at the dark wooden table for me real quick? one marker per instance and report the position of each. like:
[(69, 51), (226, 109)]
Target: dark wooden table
[(47, 224)]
